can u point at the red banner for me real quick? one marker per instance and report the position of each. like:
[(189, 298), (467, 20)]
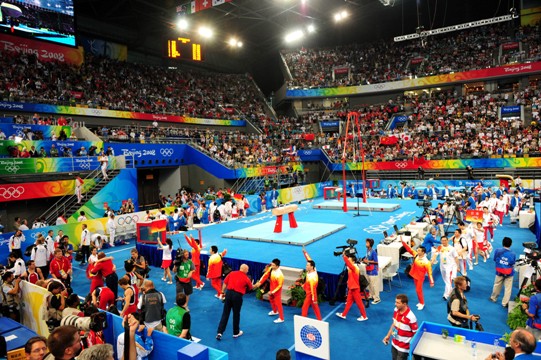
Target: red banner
[(474, 215), (416, 61), (339, 71), (388, 140), (37, 190), (77, 94), (43, 51), (510, 46)]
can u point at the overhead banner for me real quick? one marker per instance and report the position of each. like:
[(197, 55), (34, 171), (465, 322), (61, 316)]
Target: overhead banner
[(269, 170), (85, 111), (38, 190), (150, 154), (440, 79), (198, 5), (43, 51)]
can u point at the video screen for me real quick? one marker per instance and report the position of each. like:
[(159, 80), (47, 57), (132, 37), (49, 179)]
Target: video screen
[(47, 20)]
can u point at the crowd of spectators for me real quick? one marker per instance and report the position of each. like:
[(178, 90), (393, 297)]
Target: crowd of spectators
[(116, 85), (378, 62)]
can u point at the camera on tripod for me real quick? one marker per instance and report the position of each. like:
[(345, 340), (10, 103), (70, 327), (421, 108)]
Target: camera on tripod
[(349, 249), (424, 203), (532, 255)]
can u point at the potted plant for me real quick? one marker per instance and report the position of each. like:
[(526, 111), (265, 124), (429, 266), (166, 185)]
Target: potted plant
[(444, 333), (297, 292)]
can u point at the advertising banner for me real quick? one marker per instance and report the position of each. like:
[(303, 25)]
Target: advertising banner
[(37, 190), (75, 146), (34, 307), (48, 165), (459, 77), (86, 111), (269, 170), (150, 153), (510, 109), (44, 52), (46, 130), (329, 124), (104, 48)]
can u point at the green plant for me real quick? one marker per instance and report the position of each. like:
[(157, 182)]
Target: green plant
[(297, 295), (528, 291), (517, 317), (506, 337), (444, 333), (259, 294), (227, 197)]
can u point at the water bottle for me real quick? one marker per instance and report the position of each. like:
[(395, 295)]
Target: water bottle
[(474, 350), (496, 346)]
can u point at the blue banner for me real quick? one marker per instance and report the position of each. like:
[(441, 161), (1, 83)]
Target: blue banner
[(310, 155), (510, 109), (328, 124), (396, 120), (6, 120), (151, 154)]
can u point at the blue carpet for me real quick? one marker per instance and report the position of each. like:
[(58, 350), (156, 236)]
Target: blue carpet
[(262, 337)]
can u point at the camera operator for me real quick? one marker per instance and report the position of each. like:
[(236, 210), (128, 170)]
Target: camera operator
[(457, 307), (534, 311), (11, 294)]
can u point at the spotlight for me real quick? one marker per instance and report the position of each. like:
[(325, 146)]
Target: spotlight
[(205, 32), (182, 24), (339, 16), (311, 28), (294, 36)]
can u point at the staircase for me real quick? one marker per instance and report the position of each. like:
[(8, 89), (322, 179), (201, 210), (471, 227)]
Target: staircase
[(254, 185), (290, 276), (68, 204)]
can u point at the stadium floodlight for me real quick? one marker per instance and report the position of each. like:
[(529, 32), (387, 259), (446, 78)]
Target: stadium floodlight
[(182, 24), (205, 32), (233, 42), (294, 36), (341, 15), (311, 28)]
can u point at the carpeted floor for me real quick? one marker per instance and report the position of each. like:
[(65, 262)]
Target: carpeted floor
[(349, 339)]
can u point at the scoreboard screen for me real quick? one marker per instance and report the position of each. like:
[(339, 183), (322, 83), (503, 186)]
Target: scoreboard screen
[(185, 49)]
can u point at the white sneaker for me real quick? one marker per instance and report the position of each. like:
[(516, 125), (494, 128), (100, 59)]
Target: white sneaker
[(340, 315), (169, 282), (471, 267), (272, 313), (420, 307), (362, 318), (164, 279), (277, 321)]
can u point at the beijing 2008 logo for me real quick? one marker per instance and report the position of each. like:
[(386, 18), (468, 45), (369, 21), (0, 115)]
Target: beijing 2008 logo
[(311, 337)]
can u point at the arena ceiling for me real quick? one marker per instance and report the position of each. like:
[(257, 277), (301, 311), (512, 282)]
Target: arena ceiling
[(145, 25)]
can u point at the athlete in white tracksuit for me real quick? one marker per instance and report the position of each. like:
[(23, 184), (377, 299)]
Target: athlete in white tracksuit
[(448, 264)]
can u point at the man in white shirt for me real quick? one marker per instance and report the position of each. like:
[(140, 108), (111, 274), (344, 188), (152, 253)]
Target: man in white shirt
[(111, 229), (468, 235), (85, 244), (18, 268), (60, 220), (49, 242), (24, 225), (448, 264), (15, 243), (97, 240), (82, 217)]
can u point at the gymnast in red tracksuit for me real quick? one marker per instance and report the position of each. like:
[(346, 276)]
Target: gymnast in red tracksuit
[(421, 266), (310, 287), (354, 290), (275, 292), (196, 259)]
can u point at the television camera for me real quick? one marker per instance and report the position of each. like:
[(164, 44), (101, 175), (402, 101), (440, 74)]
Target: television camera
[(349, 250), (532, 255)]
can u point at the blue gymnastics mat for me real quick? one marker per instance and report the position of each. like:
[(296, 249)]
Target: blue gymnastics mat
[(352, 205), (306, 232)]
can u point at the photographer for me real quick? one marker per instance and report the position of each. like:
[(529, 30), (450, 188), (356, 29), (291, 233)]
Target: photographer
[(457, 306), (141, 266), (533, 310), (183, 270), (11, 295)]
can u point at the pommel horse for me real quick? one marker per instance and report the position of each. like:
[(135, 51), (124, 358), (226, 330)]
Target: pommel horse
[(280, 211)]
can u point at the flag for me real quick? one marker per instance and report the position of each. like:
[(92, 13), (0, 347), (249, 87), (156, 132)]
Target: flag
[(184, 9), (219, 2), (201, 5)]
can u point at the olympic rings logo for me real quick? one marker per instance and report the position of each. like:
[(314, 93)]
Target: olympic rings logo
[(166, 152), (308, 152), (11, 192), (35, 235), (12, 168), (401, 164), (376, 229), (128, 220), (84, 165), (379, 86)]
